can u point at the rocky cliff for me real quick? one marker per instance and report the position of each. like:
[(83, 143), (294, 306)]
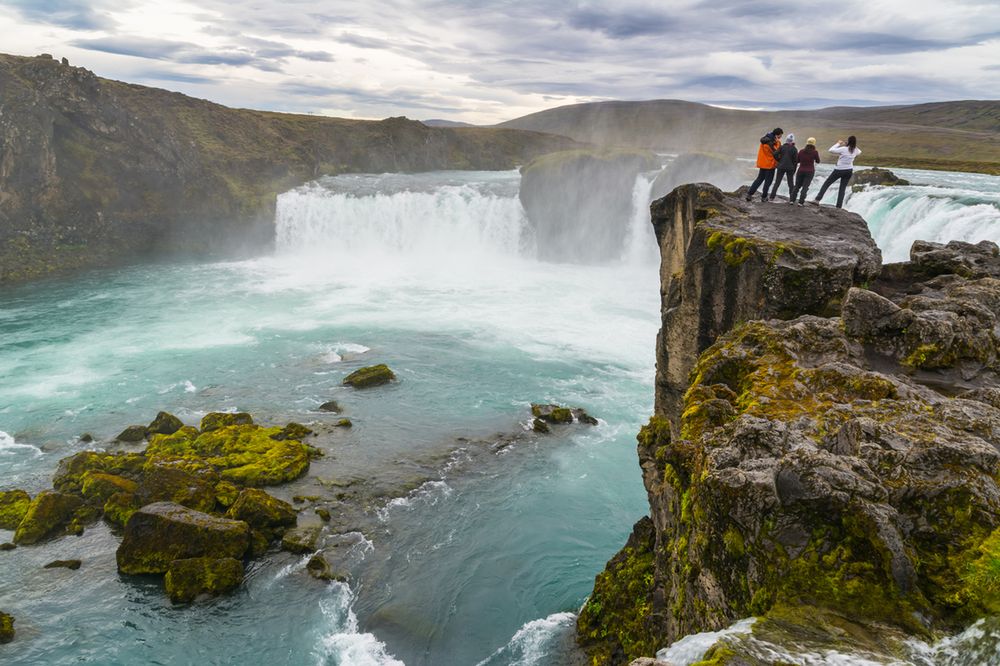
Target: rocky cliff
[(95, 171), (826, 444)]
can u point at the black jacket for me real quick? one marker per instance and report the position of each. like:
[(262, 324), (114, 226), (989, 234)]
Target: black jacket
[(788, 156)]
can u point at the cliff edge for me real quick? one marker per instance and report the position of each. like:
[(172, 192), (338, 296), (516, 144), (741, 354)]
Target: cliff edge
[(95, 171), (826, 445)]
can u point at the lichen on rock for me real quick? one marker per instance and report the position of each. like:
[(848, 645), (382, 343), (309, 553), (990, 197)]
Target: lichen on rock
[(374, 375), (13, 505), (49, 513)]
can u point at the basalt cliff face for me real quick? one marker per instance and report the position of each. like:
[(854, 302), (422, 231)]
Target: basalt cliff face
[(826, 444), (94, 171)]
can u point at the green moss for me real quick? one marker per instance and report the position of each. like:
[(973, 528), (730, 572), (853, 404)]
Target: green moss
[(187, 579), (733, 541), (262, 512), (69, 477), (981, 577), (216, 420), (718, 655), (47, 515), (13, 505), (6, 628), (119, 508), (98, 486), (616, 618), (923, 356)]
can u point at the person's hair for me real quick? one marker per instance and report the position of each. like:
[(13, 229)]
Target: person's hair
[(852, 143), (777, 131), (809, 147)]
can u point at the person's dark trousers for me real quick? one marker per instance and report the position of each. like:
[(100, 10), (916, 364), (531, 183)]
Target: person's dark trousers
[(844, 175), (765, 176), (779, 174), (801, 188)]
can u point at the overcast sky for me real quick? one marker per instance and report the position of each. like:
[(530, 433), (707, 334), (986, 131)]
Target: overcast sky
[(484, 62)]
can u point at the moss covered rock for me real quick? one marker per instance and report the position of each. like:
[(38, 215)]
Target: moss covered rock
[(132, 434), (374, 375), (158, 534), (267, 514), (6, 627), (47, 515), (164, 424), (120, 507), (293, 431), (13, 505), (216, 420), (69, 476), (187, 579), (191, 486), (301, 539), (245, 455), (99, 486)]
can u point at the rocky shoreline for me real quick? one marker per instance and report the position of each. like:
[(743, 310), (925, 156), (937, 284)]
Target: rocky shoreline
[(825, 447)]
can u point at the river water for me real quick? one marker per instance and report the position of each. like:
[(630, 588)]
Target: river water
[(468, 539)]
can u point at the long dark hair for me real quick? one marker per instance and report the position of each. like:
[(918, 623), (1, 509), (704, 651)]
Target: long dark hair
[(852, 143)]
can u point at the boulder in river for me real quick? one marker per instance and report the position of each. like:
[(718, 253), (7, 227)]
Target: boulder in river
[(216, 420), (13, 505), (270, 515), (862, 178), (132, 434), (73, 565), (189, 578), (330, 406), (301, 539), (374, 375), (165, 423), (47, 515), (293, 431), (6, 627), (160, 533)]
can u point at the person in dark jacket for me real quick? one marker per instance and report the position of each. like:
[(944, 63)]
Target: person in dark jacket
[(767, 160), (808, 159), (787, 156)]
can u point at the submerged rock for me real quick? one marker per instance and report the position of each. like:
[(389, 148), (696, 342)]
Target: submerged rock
[(301, 539), (540, 426), (293, 431), (374, 375), (13, 505), (344, 423), (330, 406), (6, 627), (160, 533), (47, 515), (319, 568), (63, 564), (561, 415), (7, 546), (187, 579)]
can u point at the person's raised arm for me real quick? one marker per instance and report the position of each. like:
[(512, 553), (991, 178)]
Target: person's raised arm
[(837, 148)]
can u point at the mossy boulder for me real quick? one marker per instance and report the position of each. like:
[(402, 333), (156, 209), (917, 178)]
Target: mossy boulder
[(166, 482), (344, 423), (120, 507), (158, 534), (267, 514), (374, 375), (245, 455), (13, 505), (330, 406), (863, 178), (132, 434), (99, 486), (164, 424), (320, 568), (293, 431), (47, 515), (187, 579), (72, 565), (69, 476), (216, 420), (6, 627)]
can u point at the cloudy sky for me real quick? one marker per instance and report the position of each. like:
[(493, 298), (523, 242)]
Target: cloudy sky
[(486, 61)]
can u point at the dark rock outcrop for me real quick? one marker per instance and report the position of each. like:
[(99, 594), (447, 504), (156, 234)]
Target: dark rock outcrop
[(132, 434), (374, 375), (95, 171), (160, 533), (725, 261), (862, 178), (579, 202), (72, 565), (815, 470), (165, 423)]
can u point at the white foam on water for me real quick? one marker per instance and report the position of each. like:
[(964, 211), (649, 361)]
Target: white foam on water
[(533, 643), (9, 447), (692, 648), (428, 493), (345, 644), (336, 352)]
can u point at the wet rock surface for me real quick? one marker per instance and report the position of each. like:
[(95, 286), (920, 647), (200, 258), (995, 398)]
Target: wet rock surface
[(820, 472), (875, 176), (375, 375), (188, 579)]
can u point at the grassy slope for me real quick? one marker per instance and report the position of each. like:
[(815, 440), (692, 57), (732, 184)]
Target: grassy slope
[(962, 136)]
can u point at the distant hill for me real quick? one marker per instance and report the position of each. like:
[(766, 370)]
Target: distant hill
[(440, 122), (95, 171), (961, 136)]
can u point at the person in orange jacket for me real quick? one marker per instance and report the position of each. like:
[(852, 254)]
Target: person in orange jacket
[(767, 162)]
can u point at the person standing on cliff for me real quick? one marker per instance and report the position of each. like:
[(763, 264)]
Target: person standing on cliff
[(787, 156), (767, 161), (847, 151), (808, 158)]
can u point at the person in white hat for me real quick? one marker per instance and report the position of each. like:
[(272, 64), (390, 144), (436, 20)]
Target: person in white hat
[(787, 156), (808, 159)]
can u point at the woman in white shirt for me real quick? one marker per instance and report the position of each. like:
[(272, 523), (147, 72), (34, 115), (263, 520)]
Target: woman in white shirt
[(844, 169)]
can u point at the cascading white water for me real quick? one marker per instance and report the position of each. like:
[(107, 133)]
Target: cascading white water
[(640, 244), (434, 215)]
